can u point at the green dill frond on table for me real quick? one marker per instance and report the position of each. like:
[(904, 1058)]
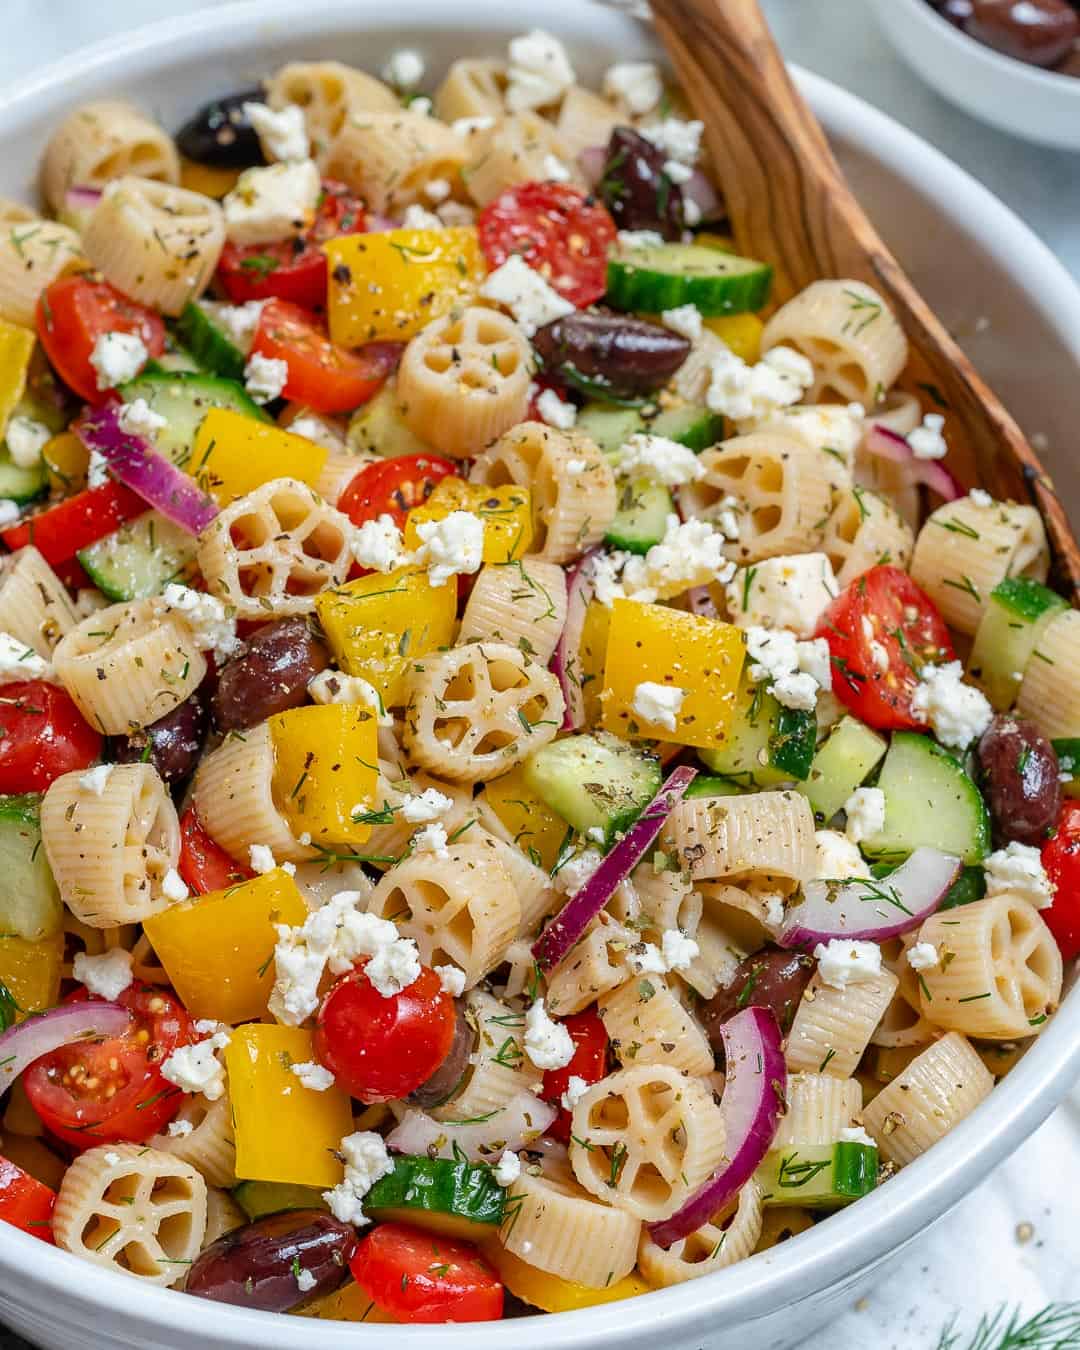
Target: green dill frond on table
[(1056, 1327)]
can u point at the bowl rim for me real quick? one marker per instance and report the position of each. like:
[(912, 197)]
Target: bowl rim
[(853, 1241)]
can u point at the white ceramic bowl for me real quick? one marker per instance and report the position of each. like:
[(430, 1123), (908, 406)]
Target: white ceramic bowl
[(1039, 105), (973, 259)]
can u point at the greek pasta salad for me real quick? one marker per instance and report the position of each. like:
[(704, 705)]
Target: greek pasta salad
[(526, 779)]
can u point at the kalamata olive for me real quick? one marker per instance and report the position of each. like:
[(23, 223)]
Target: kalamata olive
[(269, 674), (636, 189), (770, 978), (956, 11), (615, 353), (262, 1265), (1041, 32), (1020, 777), (440, 1087), (173, 743), (220, 133)]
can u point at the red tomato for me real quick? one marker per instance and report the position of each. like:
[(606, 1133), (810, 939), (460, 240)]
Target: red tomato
[(383, 1048), (59, 531), (421, 1277), (74, 312), (321, 375), (205, 865), (884, 607), (294, 269), (590, 1039), (99, 1092), (42, 735), (561, 233), (25, 1202), (393, 487), (1061, 858)]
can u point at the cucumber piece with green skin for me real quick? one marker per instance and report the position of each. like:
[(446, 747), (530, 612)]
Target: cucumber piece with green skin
[(210, 342), (1067, 750), (140, 558), (968, 887), (844, 762), (609, 427), (457, 1198), (696, 428), (378, 428), (818, 1176), (595, 782), (641, 516), (767, 743), (183, 400), (651, 279), (1007, 638), (30, 906), (257, 1198), (709, 785), (22, 485), (929, 801)]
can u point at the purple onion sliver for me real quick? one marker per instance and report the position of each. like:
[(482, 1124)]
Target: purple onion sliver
[(567, 654), (591, 162), (931, 473), (45, 1032), (79, 197), (700, 191)]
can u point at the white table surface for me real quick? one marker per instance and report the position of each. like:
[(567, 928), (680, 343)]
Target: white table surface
[(975, 1260)]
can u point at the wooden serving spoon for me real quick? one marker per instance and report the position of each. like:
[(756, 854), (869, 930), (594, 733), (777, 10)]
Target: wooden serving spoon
[(789, 205)]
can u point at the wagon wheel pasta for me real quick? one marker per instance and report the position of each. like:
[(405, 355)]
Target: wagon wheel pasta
[(498, 1066), (517, 149), (471, 88), (100, 142), (596, 964), (210, 1145), (729, 1237), (31, 257), (328, 91), (862, 531), (34, 606), (832, 1027), (648, 1024), (388, 157), (522, 603), (770, 833)]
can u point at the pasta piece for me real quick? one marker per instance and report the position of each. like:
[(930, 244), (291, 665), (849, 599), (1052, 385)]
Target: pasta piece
[(521, 974), (693, 378), (863, 531), (648, 1024), (211, 1145), (571, 481), (32, 257), (109, 851), (782, 487), (999, 972), (15, 213), (554, 1225), (34, 603), (781, 1222), (1049, 693), (532, 885), (593, 966), (388, 157), (894, 483), (899, 411), (852, 337), (666, 900), (328, 92), (129, 664), (272, 551), (464, 380), (459, 909), (719, 952), (498, 1066), (645, 1138), (819, 1106), (133, 1209), (585, 119), (521, 603), (517, 149), (769, 833), (145, 965), (922, 1104), (832, 1027), (223, 1215), (744, 910), (964, 550), (903, 1025), (472, 88), (476, 711), (338, 471), (730, 1236), (98, 142)]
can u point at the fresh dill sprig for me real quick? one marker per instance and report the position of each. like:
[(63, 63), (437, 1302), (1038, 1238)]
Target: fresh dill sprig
[(1056, 1327)]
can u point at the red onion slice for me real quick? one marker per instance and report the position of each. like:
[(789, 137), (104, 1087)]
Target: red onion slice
[(755, 1088), (514, 1126), (931, 473), (45, 1032), (871, 911), (566, 661), (591, 162), (699, 600), (79, 197), (585, 904)]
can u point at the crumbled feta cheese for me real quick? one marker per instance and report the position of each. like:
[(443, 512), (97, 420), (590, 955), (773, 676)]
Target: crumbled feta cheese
[(816, 660), (196, 1068), (926, 441), (640, 239), (796, 671), (791, 591), (526, 294), (691, 212), (855, 1134), (117, 358), (404, 69), (377, 544), (107, 975), (540, 71), (865, 810), (452, 979), (313, 428), (437, 190), (366, 1160), (576, 466), (635, 83), (471, 126), (9, 511), (679, 140), (833, 428), (956, 712), (212, 625), (685, 320), (678, 950), (20, 662), (691, 553), (25, 440), (431, 839), (239, 321), (842, 962), (725, 516), (282, 133), (646, 959), (576, 1088), (659, 459), (313, 1076), (179, 1129), (547, 1043), (754, 393), (173, 886), (554, 170), (556, 412), (575, 872), (980, 497), (417, 217), (797, 691), (775, 909), (97, 470), (306, 1281), (1017, 870), (923, 956), (425, 806), (836, 857), (137, 418), (273, 203), (265, 377), (112, 1159), (96, 779), (450, 546), (508, 1168), (261, 859), (677, 173), (657, 704)]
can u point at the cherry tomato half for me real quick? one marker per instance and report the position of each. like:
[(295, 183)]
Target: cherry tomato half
[(42, 735), (590, 1039), (99, 1092), (557, 230), (74, 312), (59, 531), (393, 487), (205, 865), (25, 1202), (1061, 858), (381, 1048), (294, 269), (881, 631), (422, 1277)]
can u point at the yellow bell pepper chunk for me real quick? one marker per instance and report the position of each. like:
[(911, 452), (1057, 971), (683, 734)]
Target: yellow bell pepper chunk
[(284, 1131), (16, 348), (233, 454), (534, 826), (30, 971), (702, 657), (67, 460), (208, 179), (378, 624), (506, 512), (350, 1303), (392, 284), (217, 948), (36, 1158), (741, 332), (591, 657), (326, 769), (551, 1293)]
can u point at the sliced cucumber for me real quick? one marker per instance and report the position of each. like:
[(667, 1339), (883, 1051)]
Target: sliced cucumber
[(378, 428), (22, 485), (843, 763), (1015, 618), (641, 516), (968, 887), (709, 785), (140, 558), (929, 800), (696, 428), (818, 1176), (664, 276), (767, 743), (30, 905), (183, 400), (257, 1198), (594, 782), (608, 426), (209, 341), (457, 1199), (1068, 753)]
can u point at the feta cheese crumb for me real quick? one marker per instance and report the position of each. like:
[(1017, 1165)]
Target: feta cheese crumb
[(179, 1129), (547, 1043), (97, 470), (836, 857), (334, 686), (405, 69), (659, 459), (378, 544), (452, 979), (923, 956), (265, 377), (417, 217), (112, 1159), (677, 173), (980, 497), (196, 1068), (554, 170), (1017, 870), (926, 441), (305, 1281), (576, 466), (576, 1088), (679, 140), (313, 1075), (20, 662), (508, 1168), (315, 429), (556, 412), (9, 511), (450, 546), (26, 438), (117, 358), (173, 886), (640, 239), (865, 810), (526, 294), (437, 190), (956, 712), (576, 871), (754, 393), (540, 71), (678, 950), (137, 418), (272, 203), (239, 321), (855, 1134), (425, 806), (282, 133), (431, 839), (691, 553), (797, 671), (685, 320), (107, 975), (366, 1160), (96, 779), (635, 83), (791, 591), (657, 704), (212, 625), (842, 962), (261, 859)]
